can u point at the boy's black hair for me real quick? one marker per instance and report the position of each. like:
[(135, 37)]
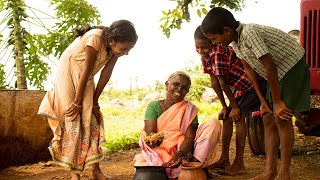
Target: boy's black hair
[(294, 32), (217, 19), (199, 35)]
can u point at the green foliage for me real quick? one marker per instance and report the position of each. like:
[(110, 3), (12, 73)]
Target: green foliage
[(159, 86), (199, 82), (37, 70), (173, 18), (126, 94), (207, 111), (70, 14), (2, 77), (3, 4)]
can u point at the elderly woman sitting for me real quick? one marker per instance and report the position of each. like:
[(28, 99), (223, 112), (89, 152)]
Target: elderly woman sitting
[(184, 139)]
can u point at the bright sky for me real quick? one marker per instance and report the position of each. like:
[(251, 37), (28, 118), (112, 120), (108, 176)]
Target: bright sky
[(155, 57)]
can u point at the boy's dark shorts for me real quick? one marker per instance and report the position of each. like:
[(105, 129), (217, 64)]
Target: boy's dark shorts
[(250, 101), (295, 88)]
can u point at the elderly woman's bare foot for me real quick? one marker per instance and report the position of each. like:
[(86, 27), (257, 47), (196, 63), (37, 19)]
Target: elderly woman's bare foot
[(74, 176)]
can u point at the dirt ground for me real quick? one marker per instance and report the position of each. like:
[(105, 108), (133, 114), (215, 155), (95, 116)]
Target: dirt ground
[(305, 164)]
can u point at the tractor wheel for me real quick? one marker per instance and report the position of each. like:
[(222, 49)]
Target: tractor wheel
[(255, 131)]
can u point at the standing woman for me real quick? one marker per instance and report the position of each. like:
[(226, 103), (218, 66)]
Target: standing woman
[(71, 105)]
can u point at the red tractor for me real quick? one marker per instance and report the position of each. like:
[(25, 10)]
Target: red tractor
[(310, 41)]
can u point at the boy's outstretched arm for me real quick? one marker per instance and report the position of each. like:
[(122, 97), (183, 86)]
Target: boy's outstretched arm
[(217, 88), (253, 78), (279, 107)]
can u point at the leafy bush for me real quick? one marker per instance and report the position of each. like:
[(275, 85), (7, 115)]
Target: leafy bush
[(199, 82), (207, 111)]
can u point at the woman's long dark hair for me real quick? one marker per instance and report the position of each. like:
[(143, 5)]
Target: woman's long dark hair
[(119, 31)]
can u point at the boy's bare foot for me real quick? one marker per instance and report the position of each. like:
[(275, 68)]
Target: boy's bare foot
[(283, 176), (219, 165), (233, 170), (74, 176)]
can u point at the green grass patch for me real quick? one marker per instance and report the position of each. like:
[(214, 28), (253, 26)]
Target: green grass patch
[(122, 127)]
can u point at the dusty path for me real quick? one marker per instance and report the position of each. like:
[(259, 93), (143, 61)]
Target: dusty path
[(305, 164)]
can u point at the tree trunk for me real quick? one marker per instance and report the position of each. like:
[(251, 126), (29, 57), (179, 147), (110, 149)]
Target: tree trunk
[(19, 48)]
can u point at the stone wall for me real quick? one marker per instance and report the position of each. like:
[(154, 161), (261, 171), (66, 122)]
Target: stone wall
[(24, 135)]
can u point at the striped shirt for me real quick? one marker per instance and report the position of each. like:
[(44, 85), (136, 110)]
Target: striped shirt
[(224, 62), (256, 40)]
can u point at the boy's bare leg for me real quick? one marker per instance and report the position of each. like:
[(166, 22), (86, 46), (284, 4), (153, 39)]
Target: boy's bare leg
[(286, 133), (227, 130), (271, 148), (241, 131)]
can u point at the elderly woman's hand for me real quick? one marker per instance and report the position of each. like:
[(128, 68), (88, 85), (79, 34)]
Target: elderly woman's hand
[(176, 160), (154, 139)]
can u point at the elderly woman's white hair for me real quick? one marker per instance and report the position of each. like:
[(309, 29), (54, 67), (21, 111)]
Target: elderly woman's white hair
[(178, 73)]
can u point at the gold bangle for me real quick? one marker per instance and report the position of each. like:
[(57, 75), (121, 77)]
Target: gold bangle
[(76, 105)]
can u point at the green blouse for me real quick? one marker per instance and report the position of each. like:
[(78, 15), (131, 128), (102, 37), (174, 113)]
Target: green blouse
[(154, 111)]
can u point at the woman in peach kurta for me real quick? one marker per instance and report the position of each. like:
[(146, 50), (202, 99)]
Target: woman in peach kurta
[(184, 139), (71, 105)]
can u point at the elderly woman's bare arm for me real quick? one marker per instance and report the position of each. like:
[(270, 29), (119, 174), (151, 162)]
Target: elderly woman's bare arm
[(186, 147), (188, 142), (150, 126)]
